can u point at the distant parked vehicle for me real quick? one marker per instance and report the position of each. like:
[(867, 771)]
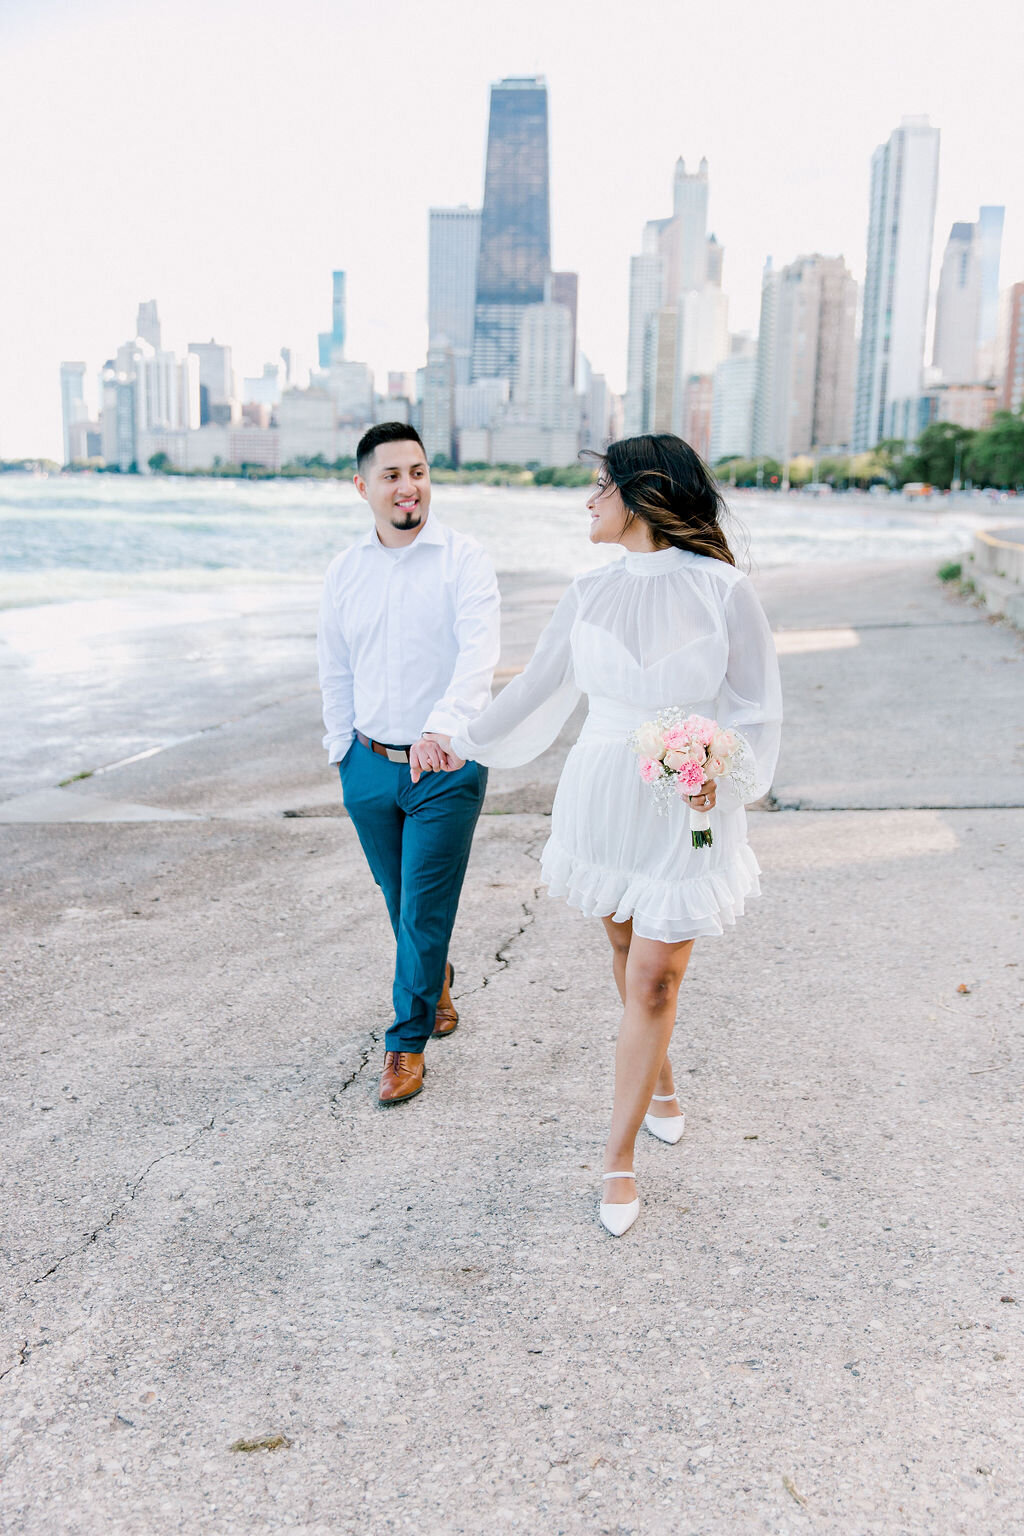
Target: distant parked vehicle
[(917, 490)]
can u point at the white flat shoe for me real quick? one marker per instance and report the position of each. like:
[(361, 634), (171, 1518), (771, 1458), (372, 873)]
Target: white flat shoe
[(619, 1218), (666, 1127)]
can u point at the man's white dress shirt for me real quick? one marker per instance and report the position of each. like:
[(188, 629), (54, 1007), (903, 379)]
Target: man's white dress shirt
[(408, 638)]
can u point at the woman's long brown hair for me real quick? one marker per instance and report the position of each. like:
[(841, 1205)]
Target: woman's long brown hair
[(662, 480)]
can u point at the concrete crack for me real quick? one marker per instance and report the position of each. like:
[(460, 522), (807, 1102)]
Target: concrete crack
[(501, 954), (118, 1210), (334, 1097), (501, 957), (23, 1353)]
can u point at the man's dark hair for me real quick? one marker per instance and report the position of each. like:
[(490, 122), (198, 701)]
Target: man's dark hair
[(385, 432)]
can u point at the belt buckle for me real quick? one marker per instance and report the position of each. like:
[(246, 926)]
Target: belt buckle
[(396, 755)]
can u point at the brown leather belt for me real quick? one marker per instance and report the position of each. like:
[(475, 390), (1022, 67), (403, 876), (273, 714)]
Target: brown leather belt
[(393, 754)]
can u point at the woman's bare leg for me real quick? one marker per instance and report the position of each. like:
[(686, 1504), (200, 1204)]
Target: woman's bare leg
[(653, 975), (620, 936)]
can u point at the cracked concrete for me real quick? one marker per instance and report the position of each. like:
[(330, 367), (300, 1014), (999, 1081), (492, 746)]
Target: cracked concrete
[(814, 1326)]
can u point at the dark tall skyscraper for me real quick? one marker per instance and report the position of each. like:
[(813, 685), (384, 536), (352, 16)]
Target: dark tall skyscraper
[(515, 240)]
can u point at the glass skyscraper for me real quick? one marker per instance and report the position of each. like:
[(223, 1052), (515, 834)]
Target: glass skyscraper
[(515, 238), (331, 344), (904, 176), (451, 304)]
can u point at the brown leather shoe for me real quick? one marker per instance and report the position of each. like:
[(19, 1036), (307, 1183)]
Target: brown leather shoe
[(402, 1077), (446, 1019)]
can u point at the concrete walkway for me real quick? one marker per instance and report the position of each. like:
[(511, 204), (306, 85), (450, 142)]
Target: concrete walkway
[(213, 1237)]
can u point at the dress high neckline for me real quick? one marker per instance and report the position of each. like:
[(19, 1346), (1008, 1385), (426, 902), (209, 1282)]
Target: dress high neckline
[(653, 562)]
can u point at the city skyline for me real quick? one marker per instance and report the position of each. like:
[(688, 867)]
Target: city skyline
[(214, 250)]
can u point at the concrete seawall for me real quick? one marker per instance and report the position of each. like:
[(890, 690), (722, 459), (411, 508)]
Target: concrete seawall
[(998, 570)]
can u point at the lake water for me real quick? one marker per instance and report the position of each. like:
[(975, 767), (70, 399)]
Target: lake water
[(91, 537), (137, 613)]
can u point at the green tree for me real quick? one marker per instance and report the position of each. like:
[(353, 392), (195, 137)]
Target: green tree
[(160, 463), (939, 454), (996, 456)]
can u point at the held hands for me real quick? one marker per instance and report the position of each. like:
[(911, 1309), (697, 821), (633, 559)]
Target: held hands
[(704, 799), (432, 754)]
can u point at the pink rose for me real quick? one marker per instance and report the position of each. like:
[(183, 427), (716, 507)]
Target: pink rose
[(722, 744), (700, 728), (676, 760), (714, 767), (651, 769)]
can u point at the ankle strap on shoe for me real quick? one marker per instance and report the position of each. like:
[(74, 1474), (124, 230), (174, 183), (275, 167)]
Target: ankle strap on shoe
[(618, 1176), (662, 1098)]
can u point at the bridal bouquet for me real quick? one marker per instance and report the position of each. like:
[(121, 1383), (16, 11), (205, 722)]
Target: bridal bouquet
[(678, 751)]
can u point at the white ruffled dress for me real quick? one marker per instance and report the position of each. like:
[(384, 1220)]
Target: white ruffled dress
[(646, 633)]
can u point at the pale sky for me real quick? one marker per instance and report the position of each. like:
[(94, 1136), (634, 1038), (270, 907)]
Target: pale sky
[(223, 156)]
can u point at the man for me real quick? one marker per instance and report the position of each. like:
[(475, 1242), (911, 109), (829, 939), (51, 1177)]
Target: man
[(407, 643)]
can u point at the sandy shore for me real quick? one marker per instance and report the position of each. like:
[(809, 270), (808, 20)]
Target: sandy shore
[(212, 1235)]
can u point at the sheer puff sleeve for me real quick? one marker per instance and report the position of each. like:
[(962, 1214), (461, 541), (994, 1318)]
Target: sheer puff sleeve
[(528, 714), (750, 699)]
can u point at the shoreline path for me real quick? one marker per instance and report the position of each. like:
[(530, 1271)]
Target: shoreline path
[(212, 1236)]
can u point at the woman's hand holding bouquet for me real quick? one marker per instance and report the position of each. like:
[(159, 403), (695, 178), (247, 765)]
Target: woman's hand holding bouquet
[(679, 753)]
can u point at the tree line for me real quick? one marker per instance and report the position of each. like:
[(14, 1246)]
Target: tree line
[(943, 453)]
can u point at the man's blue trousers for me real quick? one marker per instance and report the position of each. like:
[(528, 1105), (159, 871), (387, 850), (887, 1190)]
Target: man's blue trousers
[(416, 838)]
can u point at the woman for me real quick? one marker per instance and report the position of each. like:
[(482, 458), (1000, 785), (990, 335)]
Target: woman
[(672, 623)]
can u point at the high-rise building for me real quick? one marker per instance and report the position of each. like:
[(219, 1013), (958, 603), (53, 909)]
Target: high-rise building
[(764, 378), (805, 363), (118, 417), (216, 381), (904, 177), (695, 426), (1011, 371), (679, 270), (73, 408), (715, 261), (565, 289), (331, 344), (166, 390), (263, 388), (660, 370), (990, 239), (543, 383), (684, 239), (147, 324), (597, 407), (967, 304), (438, 421), (644, 301), (732, 412), (351, 387), (958, 307), (515, 239), (451, 301)]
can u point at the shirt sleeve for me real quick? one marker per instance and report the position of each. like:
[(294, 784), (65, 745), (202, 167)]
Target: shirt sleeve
[(478, 637), (525, 718), (335, 677), (750, 700)]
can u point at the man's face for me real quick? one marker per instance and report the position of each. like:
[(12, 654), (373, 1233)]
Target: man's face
[(397, 486)]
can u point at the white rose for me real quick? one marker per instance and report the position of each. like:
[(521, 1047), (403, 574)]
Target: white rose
[(649, 742)]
